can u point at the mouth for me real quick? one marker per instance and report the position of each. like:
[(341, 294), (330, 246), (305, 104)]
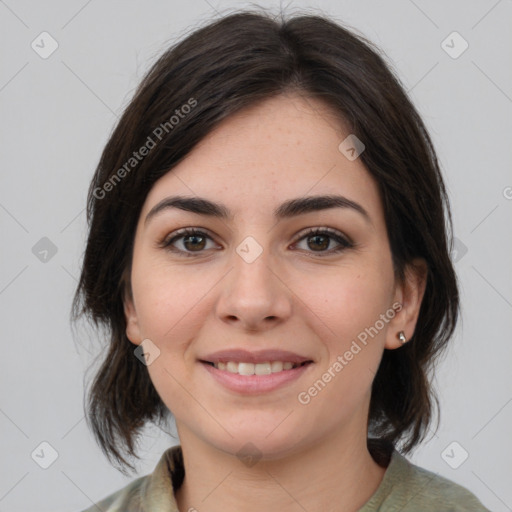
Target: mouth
[(255, 372), (248, 368)]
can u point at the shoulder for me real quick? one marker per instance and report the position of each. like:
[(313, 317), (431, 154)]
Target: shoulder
[(441, 493), (150, 492), (415, 488), (127, 499)]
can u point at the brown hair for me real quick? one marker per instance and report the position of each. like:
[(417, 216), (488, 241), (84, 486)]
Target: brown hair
[(223, 67)]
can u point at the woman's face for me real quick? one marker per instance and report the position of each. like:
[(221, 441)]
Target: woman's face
[(226, 311)]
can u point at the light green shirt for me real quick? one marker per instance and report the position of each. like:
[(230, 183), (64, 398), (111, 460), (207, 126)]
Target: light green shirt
[(405, 488)]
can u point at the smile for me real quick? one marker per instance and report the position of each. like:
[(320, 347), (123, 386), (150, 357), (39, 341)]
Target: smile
[(265, 368), (255, 378)]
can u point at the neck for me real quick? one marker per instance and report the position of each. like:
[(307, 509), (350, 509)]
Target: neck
[(339, 474)]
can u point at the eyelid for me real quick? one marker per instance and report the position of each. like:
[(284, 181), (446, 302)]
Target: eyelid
[(324, 230), (165, 243)]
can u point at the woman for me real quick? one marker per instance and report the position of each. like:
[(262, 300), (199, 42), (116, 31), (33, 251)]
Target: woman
[(267, 249)]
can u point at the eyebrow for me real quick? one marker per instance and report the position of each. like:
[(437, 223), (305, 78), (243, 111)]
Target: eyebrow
[(288, 209)]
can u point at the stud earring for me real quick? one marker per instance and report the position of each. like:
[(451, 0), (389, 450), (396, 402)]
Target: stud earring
[(402, 338)]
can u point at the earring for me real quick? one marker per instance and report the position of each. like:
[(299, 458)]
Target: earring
[(402, 338)]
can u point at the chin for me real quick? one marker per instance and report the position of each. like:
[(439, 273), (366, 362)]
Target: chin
[(267, 441)]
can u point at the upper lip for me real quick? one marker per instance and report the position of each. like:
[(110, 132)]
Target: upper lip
[(260, 356)]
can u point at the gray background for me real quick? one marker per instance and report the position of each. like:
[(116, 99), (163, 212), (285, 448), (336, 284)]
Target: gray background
[(56, 115)]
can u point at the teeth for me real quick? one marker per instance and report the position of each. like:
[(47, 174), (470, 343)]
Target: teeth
[(246, 368), (255, 368), (232, 367), (276, 366), (262, 369)]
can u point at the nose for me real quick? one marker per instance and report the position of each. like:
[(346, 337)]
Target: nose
[(254, 296)]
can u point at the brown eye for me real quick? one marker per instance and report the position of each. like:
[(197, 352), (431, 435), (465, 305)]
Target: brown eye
[(319, 240), (187, 241), (193, 242)]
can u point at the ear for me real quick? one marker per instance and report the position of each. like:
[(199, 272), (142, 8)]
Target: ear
[(133, 332), (408, 297)]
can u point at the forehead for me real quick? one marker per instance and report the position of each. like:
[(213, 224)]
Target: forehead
[(284, 147)]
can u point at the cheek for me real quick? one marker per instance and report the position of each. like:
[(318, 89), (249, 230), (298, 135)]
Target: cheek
[(348, 306), (168, 300), (348, 301)]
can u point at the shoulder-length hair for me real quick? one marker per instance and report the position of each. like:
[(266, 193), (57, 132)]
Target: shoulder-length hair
[(219, 69)]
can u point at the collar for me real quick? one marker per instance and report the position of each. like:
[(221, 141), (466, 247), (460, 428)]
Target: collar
[(158, 491)]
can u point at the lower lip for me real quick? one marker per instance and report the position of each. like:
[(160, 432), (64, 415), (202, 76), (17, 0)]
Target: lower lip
[(255, 384)]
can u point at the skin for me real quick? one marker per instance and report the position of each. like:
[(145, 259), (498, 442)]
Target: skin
[(297, 295)]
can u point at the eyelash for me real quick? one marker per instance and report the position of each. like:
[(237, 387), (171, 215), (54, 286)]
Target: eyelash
[(344, 242)]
